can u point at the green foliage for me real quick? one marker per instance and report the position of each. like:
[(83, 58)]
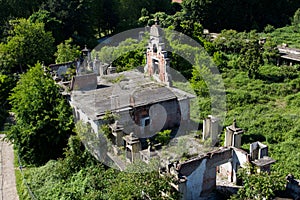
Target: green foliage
[(67, 52), (181, 65), (129, 11), (20, 181), (269, 29), (141, 186), (129, 54), (52, 24), (27, 43), (248, 49), (218, 15), (196, 9), (288, 35), (271, 52), (197, 81), (163, 137), (266, 109), (251, 58), (7, 82), (110, 117), (76, 19), (43, 118), (80, 176), (220, 60), (229, 41), (130, 60), (296, 18), (259, 185)]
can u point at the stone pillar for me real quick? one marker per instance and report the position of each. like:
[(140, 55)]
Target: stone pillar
[(96, 66), (206, 129), (211, 129), (133, 147), (228, 138), (215, 129), (233, 135), (237, 140)]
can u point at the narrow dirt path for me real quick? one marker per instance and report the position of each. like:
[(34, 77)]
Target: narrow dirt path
[(8, 190)]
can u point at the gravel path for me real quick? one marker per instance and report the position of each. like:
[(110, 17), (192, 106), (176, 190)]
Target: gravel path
[(8, 189)]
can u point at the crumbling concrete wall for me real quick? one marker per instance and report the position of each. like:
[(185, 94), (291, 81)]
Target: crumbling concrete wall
[(79, 115), (200, 173), (84, 82), (239, 159), (184, 105), (258, 150), (195, 181), (159, 116)]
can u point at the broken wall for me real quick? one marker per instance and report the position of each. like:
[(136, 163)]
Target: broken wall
[(84, 82)]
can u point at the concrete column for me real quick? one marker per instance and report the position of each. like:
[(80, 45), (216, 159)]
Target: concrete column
[(228, 138)]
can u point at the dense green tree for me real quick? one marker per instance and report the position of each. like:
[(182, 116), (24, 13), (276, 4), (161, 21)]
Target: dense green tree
[(127, 55), (251, 58), (80, 176), (196, 9), (43, 118), (181, 65), (27, 43), (296, 18), (259, 185), (229, 41), (67, 52), (76, 20), (51, 23), (270, 51), (105, 16)]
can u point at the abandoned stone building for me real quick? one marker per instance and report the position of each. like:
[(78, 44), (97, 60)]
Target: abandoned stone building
[(143, 100), (133, 95), (197, 176), (145, 103)]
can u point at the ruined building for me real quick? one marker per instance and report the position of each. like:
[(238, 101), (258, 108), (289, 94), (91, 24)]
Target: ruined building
[(197, 177), (146, 103), (143, 99)]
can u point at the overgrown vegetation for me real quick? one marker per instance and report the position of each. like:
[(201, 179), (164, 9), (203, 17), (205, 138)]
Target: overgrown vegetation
[(262, 97), (163, 137), (43, 119), (80, 176), (258, 185)]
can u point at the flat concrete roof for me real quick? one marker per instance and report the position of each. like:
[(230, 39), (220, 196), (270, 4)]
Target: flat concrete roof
[(124, 90), (264, 161)]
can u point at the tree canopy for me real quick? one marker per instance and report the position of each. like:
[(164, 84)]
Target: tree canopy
[(43, 118), (27, 43), (66, 52)]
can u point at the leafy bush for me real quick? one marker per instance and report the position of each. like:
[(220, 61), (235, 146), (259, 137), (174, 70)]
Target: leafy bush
[(80, 176), (163, 137), (43, 119), (259, 185)]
